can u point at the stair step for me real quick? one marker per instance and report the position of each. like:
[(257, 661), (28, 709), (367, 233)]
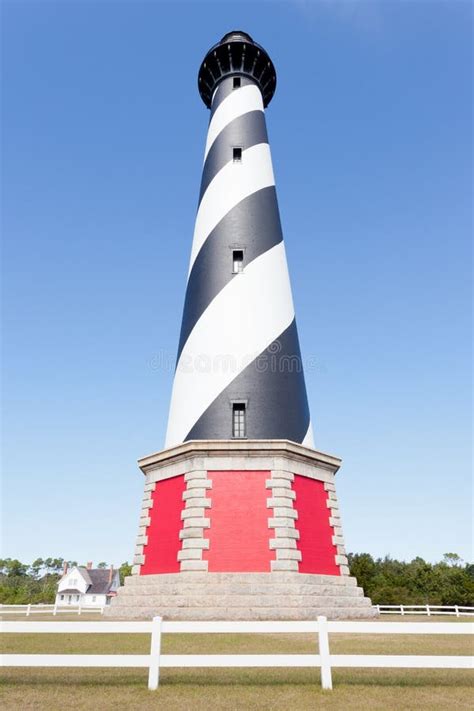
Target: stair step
[(250, 578), (239, 589), (244, 613), (217, 601)]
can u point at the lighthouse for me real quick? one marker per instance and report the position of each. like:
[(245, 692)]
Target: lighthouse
[(239, 518)]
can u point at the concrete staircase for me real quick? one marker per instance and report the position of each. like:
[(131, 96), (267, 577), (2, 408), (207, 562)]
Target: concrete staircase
[(240, 596)]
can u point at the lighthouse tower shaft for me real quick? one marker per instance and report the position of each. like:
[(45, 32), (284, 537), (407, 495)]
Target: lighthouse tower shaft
[(239, 369)]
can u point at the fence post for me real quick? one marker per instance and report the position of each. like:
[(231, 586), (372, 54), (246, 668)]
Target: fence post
[(323, 640), (55, 608), (378, 608), (402, 610), (428, 611), (28, 610), (80, 609), (155, 649), (457, 610)]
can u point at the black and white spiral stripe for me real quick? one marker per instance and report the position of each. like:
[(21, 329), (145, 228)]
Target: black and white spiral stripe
[(238, 335)]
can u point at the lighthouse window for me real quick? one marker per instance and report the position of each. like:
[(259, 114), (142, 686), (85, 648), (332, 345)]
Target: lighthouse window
[(238, 420), (236, 82), (237, 154), (237, 261)]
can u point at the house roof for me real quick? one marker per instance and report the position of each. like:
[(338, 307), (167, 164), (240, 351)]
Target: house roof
[(69, 591), (97, 580)]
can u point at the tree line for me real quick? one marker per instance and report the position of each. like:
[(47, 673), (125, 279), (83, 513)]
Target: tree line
[(393, 582), (386, 581)]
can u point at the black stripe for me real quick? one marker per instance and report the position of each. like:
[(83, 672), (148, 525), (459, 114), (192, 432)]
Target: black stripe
[(244, 131), (225, 88), (253, 225), (274, 388)]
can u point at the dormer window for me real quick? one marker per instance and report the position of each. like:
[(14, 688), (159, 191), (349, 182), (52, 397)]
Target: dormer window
[(236, 82), (237, 154)]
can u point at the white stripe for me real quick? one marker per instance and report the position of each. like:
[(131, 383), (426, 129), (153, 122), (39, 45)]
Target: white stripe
[(248, 314), (309, 439), (239, 102), (233, 183)]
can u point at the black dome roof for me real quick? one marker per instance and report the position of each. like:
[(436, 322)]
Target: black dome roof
[(236, 54)]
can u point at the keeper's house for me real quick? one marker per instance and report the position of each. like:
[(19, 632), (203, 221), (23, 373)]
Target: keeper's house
[(88, 587)]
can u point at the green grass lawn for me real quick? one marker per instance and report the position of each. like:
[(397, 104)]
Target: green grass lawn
[(266, 689)]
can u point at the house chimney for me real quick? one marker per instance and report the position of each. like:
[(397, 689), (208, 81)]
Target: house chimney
[(89, 565), (111, 573), (65, 567)]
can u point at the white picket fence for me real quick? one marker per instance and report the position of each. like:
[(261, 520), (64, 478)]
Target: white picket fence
[(41, 609), (457, 610), (321, 629)]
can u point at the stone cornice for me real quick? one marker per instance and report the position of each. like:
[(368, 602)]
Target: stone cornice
[(237, 447)]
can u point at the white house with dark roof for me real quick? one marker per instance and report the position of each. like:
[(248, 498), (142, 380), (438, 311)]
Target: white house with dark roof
[(87, 587)]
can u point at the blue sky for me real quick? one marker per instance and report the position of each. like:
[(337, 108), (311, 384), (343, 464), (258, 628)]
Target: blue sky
[(103, 138)]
